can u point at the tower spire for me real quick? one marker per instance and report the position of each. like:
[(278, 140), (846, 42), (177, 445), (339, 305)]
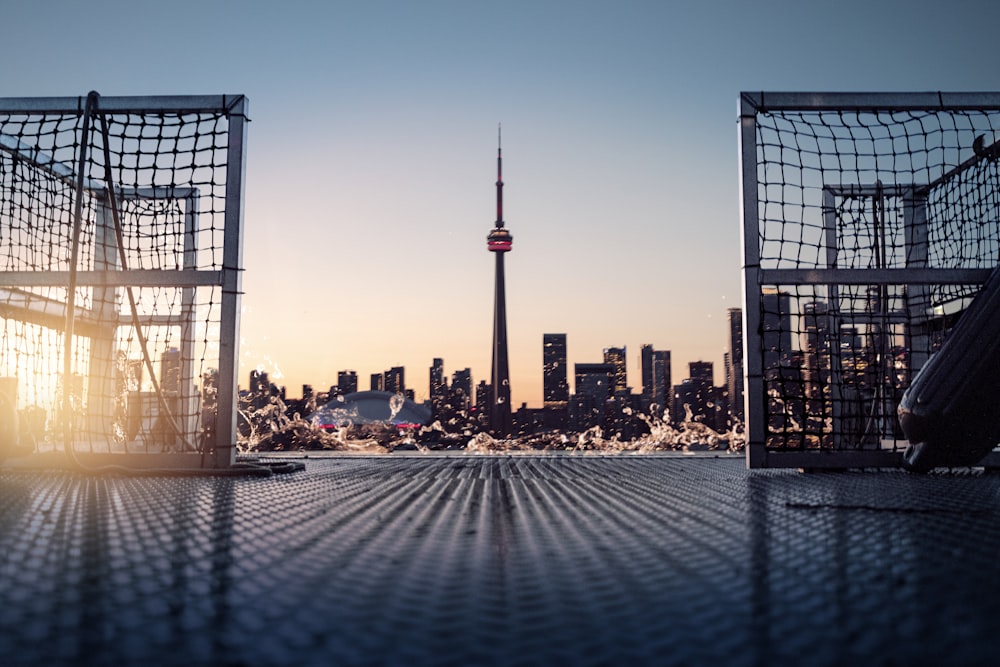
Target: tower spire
[(499, 243), (499, 223)]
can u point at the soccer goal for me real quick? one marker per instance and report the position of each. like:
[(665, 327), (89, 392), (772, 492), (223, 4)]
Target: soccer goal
[(120, 262), (869, 223)]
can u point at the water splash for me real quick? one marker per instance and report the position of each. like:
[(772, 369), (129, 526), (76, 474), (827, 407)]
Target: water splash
[(268, 429), (396, 403)]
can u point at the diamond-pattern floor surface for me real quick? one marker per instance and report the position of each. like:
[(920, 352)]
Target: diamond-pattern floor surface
[(501, 560)]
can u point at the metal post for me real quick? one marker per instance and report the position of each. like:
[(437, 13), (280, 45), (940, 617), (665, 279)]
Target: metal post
[(917, 296), (101, 379), (186, 412), (837, 393), (755, 396), (232, 286)]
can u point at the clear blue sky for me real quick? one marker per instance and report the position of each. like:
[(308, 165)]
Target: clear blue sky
[(371, 155)]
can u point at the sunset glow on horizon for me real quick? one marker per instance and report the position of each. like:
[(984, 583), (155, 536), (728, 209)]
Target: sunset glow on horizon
[(371, 158)]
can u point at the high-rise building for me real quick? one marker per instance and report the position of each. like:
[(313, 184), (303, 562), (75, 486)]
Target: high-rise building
[(461, 389), (499, 243), (377, 382), (260, 389), (655, 367), (646, 370), (555, 380), (702, 372), (555, 373), (347, 382), (815, 347), (170, 371), (616, 357), (395, 381), (776, 328), (662, 379), (698, 395), (734, 367), (594, 386), (438, 387), (483, 399)]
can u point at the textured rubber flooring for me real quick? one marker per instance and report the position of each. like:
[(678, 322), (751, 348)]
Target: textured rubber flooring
[(523, 560)]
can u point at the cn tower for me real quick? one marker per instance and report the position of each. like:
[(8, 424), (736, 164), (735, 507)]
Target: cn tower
[(499, 242)]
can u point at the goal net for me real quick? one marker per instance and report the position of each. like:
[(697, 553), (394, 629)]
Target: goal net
[(120, 255), (869, 222)]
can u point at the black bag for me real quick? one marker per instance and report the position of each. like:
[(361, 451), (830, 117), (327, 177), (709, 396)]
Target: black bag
[(951, 411)]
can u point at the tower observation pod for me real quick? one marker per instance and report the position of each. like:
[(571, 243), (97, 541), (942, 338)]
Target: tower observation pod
[(499, 243), (499, 240)]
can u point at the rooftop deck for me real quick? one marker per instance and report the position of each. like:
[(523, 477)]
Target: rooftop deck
[(506, 560)]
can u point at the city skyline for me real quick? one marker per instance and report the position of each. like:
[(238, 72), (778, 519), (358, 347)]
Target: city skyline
[(601, 396), (633, 366), (370, 151)]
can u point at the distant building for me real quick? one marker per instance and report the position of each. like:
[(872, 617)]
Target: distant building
[(698, 395), (776, 324), (170, 371), (437, 387), (555, 381), (461, 389), (595, 385), (702, 372), (662, 380), (529, 420), (377, 382), (347, 382), (260, 389), (656, 381), (438, 382), (484, 399), (395, 382), (616, 357), (816, 349), (734, 365), (304, 405), (646, 371)]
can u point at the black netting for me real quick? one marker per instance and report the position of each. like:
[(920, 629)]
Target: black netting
[(143, 350), (863, 193)]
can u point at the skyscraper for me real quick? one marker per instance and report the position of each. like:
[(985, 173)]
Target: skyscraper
[(347, 382), (656, 389), (697, 393), (499, 242), (395, 381), (438, 388), (646, 369), (815, 347), (776, 327), (734, 371), (170, 371), (483, 400), (662, 387), (616, 357), (595, 384), (461, 388), (702, 372), (555, 381)]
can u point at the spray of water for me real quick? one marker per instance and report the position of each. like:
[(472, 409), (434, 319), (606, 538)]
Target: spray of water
[(335, 429)]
